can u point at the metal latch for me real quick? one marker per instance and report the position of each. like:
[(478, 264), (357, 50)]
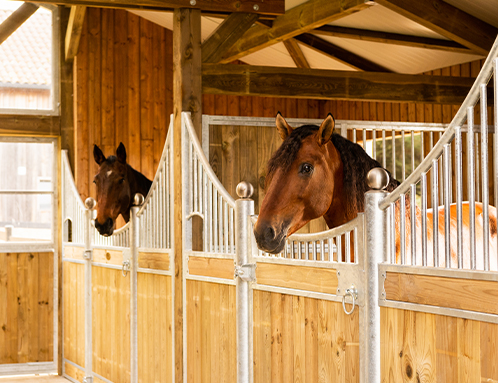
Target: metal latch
[(246, 272), (87, 379), (126, 268), (88, 255)]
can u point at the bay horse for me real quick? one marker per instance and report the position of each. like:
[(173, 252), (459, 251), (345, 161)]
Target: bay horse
[(316, 173), (117, 183)]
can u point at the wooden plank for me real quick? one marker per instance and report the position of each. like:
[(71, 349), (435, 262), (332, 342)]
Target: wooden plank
[(29, 125), (246, 80), (268, 7), (33, 330), (73, 252), (489, 350), (296, 53), (325, 364), (446, 349), (109, 257), (146, 84), (298, 20), (448, 21), (297, 277), (276, 338), (73, 372), (16, 19), (107, 86), (157, 261), (211, 267), (468, 349), (464, 294), (391, 344), (225, 35), (340, 54), (22, 307), (3, 307), (311, 349), (390, 38), (73, 33), (133, 150)]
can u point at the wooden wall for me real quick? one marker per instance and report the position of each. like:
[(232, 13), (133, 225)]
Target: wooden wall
[(26, 309)]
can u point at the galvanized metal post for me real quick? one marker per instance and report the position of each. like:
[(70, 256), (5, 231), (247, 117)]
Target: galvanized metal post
[(134, 236), (244, 270), (89, 204), (375, 252)]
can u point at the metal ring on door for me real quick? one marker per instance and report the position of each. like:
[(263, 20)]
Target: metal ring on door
[(126, 268), (352, 292)]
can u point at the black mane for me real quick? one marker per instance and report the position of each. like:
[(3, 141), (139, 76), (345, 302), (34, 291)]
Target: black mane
[(356, 164)]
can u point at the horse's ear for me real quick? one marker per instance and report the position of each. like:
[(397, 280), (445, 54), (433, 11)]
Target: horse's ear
[(121, 153), (326, 129), (98, 155), (283, 127)]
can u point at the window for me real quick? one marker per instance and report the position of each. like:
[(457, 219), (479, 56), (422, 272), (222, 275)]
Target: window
[(27, 190), (28, 58)]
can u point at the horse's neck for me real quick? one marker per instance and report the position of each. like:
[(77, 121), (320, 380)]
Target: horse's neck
[(140, 184)]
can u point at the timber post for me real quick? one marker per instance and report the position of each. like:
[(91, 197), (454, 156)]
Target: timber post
[(187, 95)]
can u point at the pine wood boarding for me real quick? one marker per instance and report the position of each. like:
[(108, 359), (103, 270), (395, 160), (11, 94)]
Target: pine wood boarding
[(151, 260), (109, 257), (73, 372), (297, 277), (73, 252), (465, 294), (211, 267)]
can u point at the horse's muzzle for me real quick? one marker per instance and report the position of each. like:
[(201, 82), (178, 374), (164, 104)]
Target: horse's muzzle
[(268, 239), (105, 229)]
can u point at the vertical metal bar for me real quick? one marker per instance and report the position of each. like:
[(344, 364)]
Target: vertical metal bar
[(244, 208), (375, 252), (485, 175), (403, 155), (87, 229), (393, 139), (459, 194), (413, 222), (314, 250), (215, 219), (446, 193), (134, 295), (322, 250), (422, 156), (374, 144), (195, 191), (383, 148), (356, 245), (392, 219), (209, 218), (435, 210), (232, 232), (413, 151), (220, 223), (364, 139), (354, 135), (299, 250), (338, 243), (471, 185), (495, 135), (431, 143), (225, 225), (441, 181), (478, 169), (402, 228), (423, 234), (205, 214)]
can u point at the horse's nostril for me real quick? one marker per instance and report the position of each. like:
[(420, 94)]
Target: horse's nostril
[(269, 233)]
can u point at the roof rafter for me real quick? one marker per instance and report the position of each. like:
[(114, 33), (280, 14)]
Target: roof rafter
[(296, 53), (337, 53), (73, 33), (448, 21), (295, 21), (390, 38), (16, 19), (227, 33), (246, 80)]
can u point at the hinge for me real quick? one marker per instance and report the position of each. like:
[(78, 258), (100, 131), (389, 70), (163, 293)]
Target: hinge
[(246, 272), (87, 379), (88, 255)]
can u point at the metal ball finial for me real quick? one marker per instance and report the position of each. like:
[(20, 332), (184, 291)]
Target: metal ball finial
[(377, 179), (138, 199), (244, 190), (90, 203)]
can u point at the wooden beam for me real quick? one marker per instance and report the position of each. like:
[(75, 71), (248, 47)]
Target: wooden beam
[(187, 96), (73, 33), (296, 53), (29, 125), (227, 33), (267, 7), (337, 53), (16, 19), (244, 80), (298, 20), (448, 21), (390, 38)]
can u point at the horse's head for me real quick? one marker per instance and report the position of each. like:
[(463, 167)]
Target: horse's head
[(113, 189), (299, 183)]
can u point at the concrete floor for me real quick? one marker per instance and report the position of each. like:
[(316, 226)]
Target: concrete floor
[(34, 379)]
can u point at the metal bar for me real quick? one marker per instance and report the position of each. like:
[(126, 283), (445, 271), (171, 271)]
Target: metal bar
[(403, 155), (393, 144), (88, 291), (495, 146), (471, 185), (383, 148), (446, 192), (338, 243), (459, 195), (435, 210), (423, 185), (478, 168), (134, 235), (413, 222), (374, 144), (485, 175), (402, 228), (347, 256), (392, 218), (413, 151)]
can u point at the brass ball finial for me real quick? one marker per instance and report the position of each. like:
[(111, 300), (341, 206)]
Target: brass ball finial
[(90, 203), (138, 200), (244, 190), (377, 178)]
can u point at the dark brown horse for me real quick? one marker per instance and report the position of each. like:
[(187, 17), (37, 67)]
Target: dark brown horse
[(117, 183), (316, 173)]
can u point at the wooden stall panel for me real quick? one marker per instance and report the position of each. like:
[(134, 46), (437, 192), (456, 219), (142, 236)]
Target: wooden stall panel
[(155, 337), (211, 336), (73, 294), (421, 347), (298, 339), (26, 307), (111, 324)]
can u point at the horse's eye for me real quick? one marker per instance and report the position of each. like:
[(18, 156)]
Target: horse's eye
[(306, 169), (121, 180), (95, 182)]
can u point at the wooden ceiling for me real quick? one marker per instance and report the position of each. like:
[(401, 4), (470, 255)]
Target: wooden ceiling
[(249, 26)]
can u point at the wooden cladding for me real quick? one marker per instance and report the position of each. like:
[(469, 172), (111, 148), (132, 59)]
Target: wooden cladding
[(313, 279), (464, 294), (26, 307), (211, 267), (123, 82)]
